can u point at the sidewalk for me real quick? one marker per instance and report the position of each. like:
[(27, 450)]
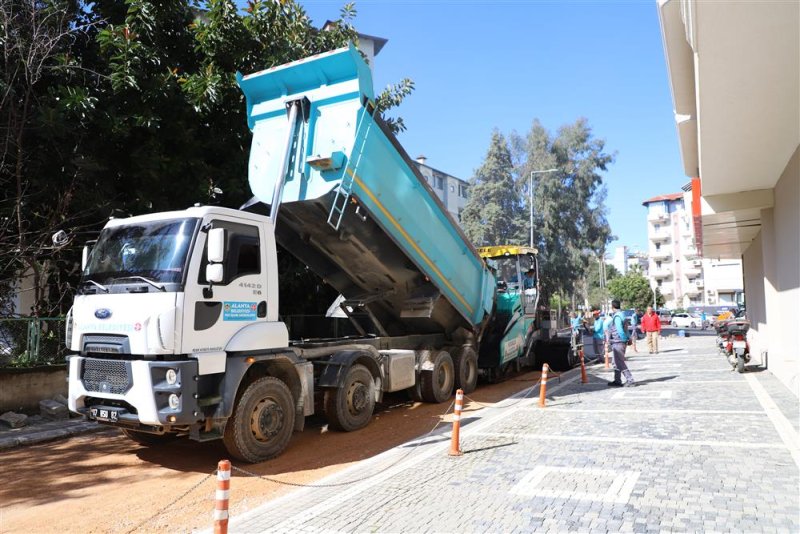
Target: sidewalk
[(693, 447), (42, 431)]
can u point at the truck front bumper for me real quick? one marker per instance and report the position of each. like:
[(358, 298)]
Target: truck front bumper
[(134, 393)]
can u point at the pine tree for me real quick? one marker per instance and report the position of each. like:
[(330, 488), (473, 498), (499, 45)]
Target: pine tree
[(491, 215)]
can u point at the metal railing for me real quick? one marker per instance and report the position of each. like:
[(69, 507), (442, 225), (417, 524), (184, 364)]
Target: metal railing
[(32, 341)]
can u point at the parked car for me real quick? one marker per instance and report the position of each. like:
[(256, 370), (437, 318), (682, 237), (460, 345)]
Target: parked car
[(665, 317), (685, 320)]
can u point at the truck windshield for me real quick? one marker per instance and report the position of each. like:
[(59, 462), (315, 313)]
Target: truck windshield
[(155, 250)]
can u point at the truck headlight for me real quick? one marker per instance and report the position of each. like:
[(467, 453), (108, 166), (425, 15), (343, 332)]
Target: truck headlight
[(172, 377), (174, 401)]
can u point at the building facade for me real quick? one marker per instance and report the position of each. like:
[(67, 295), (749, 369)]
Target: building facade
[(676, 265), (734, 74), (451, 191), (626, 259)]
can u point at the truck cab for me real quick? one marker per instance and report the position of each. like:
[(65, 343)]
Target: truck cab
[(155, 317)]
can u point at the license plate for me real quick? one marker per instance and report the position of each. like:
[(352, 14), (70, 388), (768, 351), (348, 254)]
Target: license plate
[(739, 344), (104, 414)]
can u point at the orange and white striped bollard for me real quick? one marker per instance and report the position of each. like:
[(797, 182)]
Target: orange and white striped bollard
[(584, 378), (455, 447), (222, 496), (543, 386)]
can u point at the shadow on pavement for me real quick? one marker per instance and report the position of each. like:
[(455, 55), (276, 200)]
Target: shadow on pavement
[(655, 380), (490, 447)]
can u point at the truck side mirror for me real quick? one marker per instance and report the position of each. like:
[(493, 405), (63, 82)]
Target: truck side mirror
[(214, 273), (216, 245), (85, 257)]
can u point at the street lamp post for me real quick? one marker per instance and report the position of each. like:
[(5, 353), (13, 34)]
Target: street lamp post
[(530, 196)]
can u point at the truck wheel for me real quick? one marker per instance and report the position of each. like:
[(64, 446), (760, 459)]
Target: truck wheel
[(262, 421), (145, 438), (350, 406), (437, 384), (466, 369)]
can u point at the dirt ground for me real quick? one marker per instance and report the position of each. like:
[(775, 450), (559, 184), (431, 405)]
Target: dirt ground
[(104, 482)]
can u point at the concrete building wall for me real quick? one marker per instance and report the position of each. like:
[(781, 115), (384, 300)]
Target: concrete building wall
[(772, 281), (782, 277), (753, 267)]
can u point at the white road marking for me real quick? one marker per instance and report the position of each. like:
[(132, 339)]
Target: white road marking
[(644, 441), (665, 411), (619, 491), (643, 394), (646, 370), (678, 382), (785, 429)]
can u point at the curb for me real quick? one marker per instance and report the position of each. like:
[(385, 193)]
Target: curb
[(32, 437)]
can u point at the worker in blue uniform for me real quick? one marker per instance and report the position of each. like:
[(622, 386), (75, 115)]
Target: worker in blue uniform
[(617, 339)]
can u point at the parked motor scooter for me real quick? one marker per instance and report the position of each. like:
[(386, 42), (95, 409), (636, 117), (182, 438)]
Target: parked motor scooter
[(722, 336), (737, 349)]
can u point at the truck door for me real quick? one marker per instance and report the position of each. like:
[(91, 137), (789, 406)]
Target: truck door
[(211, 318)]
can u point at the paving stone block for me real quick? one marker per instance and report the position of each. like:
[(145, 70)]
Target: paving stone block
[(14, 420), (53, 410)]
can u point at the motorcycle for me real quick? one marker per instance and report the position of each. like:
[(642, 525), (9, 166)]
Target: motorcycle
[(737, 349), (722, 336)]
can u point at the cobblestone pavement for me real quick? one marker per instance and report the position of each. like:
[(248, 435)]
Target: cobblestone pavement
[(694, 447)]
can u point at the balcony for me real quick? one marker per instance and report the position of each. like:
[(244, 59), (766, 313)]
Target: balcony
[(691, 270), (658, 216), (691, 253), (692, 289), (662, 254), (661, 235), (661, 273)]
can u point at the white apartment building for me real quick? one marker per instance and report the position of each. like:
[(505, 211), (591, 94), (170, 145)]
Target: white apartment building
[(676, 266), (451, 191), (626, 259)]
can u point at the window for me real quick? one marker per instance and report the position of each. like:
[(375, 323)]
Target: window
[(438, 181), (462, 190), (658, 246), (452, 188), (460, 211), (242, 252), (656, 227), (659, 282), (658, 265)]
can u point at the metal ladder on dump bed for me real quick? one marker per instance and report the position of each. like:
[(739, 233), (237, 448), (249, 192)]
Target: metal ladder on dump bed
[(345, 188)]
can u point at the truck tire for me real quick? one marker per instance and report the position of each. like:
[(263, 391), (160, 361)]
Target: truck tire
[(466, 370), (437, 384), (145, 438), (350, 406), (262, 421)]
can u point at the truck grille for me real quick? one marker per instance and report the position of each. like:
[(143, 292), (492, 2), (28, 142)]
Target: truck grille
[(106, 376)]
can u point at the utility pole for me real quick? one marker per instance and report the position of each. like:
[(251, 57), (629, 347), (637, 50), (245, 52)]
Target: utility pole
[(530, 197)]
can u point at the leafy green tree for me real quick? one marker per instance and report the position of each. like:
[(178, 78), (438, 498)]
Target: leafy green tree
[(570, 225), (492, 212), (116, 108), (591, 286), (633, 291)]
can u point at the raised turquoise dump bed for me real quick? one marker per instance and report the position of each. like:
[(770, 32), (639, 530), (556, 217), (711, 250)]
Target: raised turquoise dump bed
[(354, 207)]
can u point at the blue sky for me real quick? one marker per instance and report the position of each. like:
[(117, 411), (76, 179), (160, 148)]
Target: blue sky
[(484, 65)]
